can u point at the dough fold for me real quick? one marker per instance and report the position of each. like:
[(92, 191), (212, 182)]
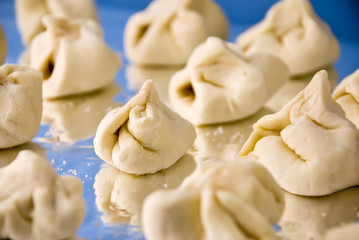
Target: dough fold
[(20, 104), (73, 57), (221, 84), (347, 95), (219, 200), (167, 31), (143, 136), (309, 146), (36, 203), (292, 31)]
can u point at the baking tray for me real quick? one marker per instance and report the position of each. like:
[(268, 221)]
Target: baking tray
[(69, 124)]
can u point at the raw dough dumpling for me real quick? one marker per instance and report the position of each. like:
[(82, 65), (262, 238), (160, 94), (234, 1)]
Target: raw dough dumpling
[(120, 195), (73, 57), (35, 203), (347, 95), (143, 136), (3, 46), (292, 31), (221, 84), (220, 200), (168, 30), (30, 12), (20, 104), (309, 146)]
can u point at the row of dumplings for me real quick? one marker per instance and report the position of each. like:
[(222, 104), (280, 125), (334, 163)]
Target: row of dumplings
[(62, 59), (304, 149), (221, 82), (291, 145)]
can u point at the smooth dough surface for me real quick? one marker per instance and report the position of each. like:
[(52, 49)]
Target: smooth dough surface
[(347, 232), (292, 31), (30, 12), (309, 146), (143, 136), (35, 203), (219, 200), (347, 95), (3, 46), (221, 84), (20, 104), (73, 57), (167, 31)]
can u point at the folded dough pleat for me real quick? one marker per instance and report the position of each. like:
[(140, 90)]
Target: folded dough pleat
[(167, 31), (35, 203), (221, 84), (20, 104), (73, 57), (219, 200), (30, 12), (144, 135), (309, 146), (292, 31), (347, 95)]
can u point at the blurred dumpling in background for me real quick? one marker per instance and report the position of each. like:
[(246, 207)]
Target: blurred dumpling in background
[(219, 200), (309, 146), (143, 136), (220, 83), (347, 95), (36, 203), (167, 31), (3, 46), (30, 12), (21, 104), (292, 31), (73, 57)]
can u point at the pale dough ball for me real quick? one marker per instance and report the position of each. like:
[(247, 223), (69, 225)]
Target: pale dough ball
[(167, 31), (143, 136), (292, 31), (20, 104), (35, 203)]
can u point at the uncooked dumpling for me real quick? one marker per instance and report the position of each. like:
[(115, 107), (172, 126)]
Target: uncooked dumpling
[(73, 57), (347, 95), (120, 195), (292, 31), (168, 30), (3, 46), (143, 136), (220, 200), (309, 146), (35, 203), (20, 104), (30, 12), (221, 84)]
